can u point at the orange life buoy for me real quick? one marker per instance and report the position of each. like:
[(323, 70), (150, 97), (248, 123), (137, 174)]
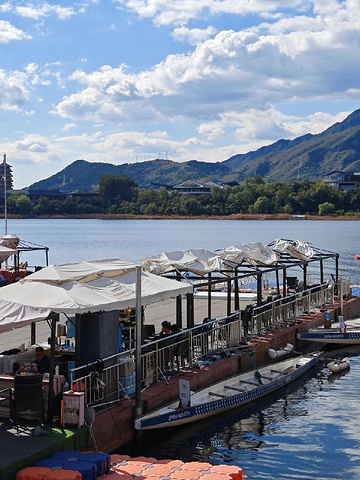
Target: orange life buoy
[(357, 257)]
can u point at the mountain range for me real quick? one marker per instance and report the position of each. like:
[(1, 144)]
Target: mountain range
[(308, 157)]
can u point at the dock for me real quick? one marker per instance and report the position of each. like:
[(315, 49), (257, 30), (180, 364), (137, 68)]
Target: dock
[(21, 449)]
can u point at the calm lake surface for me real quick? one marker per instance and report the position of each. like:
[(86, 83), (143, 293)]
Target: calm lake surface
[(311, 433), (73, 240)]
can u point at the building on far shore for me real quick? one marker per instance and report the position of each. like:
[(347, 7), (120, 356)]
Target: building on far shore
[(342, 180), (196, 188)]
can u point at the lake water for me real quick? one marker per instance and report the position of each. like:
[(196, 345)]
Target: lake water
[(312, 432), (72, 240), (309, 434)]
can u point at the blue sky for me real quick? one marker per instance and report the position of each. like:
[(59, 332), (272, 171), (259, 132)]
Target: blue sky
[(122, 81)]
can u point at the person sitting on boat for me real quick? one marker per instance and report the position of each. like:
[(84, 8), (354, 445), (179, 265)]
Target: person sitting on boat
[(41, 360)]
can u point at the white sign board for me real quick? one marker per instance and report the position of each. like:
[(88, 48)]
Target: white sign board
[(184, 393)]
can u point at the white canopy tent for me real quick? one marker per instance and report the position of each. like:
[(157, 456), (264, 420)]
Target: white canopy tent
[(6, 252), (296, 248), (14, 315), (255, 253), (199, 261), (81, 288)]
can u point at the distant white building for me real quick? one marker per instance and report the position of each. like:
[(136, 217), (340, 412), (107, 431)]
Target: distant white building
[(196, 188)]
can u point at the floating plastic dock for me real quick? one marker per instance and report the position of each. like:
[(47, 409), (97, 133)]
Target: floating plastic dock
[(76, 465)]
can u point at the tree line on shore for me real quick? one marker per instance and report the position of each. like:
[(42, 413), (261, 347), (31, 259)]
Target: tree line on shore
[(118, 194)]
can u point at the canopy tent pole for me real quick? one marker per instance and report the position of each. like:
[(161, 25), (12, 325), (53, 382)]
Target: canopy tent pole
[(228, 298), (277, 283), (209, 295), (53, 319), (336, 268), (189, 310), (284, 283), (236, 290), (259, 289), (138, 343), (321, 271), (33, 333), (179, 311), (305, 275)]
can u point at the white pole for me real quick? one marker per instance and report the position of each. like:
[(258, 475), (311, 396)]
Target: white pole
[(341, 296), (138, 321), (5, 188)]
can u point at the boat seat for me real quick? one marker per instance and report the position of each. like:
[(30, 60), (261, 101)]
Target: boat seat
[(237, 389), (250, 382), (218, 395)]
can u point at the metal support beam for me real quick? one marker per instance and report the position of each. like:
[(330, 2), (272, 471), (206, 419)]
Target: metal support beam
[(33, 333), (236, 291), (228, 299), (321, 272), (209, 295), (337, 268), (277, 283), (179, 311), (190, 310), (259, 289), (284, 283)]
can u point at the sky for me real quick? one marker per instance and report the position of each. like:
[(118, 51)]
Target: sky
[(125, 81)]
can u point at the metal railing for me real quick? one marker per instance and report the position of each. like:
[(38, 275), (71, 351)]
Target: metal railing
[(159, 359), (283, 310), (114, 377)]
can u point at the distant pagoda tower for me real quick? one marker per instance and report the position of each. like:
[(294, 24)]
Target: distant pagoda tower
[(8, 178)]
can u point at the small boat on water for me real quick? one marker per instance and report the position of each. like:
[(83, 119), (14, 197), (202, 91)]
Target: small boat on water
[(233, 392), (332, 335), (338, 365)]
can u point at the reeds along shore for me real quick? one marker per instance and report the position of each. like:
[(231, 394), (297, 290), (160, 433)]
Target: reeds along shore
[(247, 216)]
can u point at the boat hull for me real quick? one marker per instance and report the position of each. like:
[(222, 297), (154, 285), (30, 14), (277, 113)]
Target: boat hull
[(176, 416), (346, 338)]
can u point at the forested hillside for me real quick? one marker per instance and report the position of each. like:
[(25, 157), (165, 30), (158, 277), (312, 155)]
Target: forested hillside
[(309, 157)]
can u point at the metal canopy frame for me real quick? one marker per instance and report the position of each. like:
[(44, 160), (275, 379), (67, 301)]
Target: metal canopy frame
[(25, 246), (238, 272)]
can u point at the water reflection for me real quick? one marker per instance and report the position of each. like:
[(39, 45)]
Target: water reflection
[(309, 433)]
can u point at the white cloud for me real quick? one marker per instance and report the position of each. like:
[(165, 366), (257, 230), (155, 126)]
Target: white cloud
[(68, 126), (33, 143), (193, 35), (9, 33), (254, 128), (280, 62), (13, 90), (221, 92), (180, 12), (44, 9)]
